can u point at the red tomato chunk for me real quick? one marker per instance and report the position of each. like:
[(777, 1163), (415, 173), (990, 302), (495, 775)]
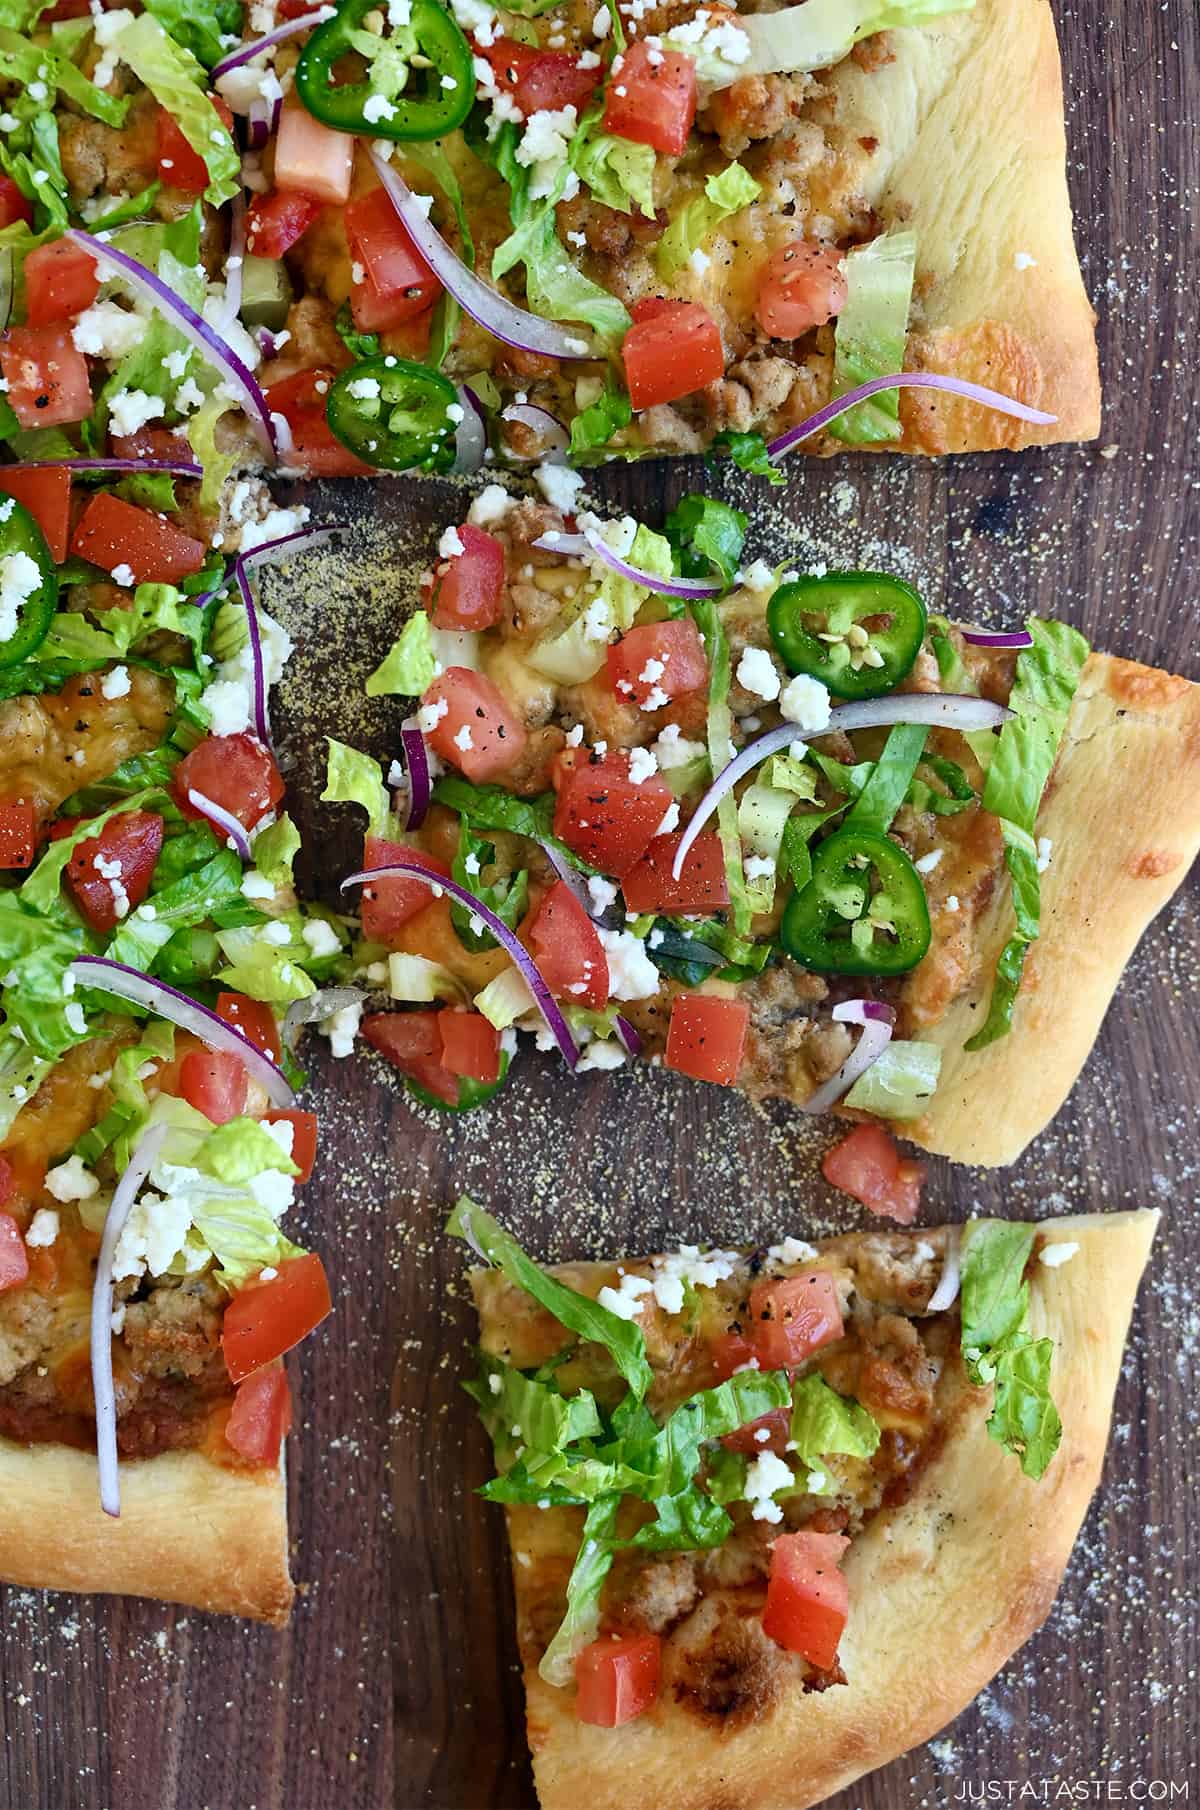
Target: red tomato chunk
[(568, 950), (179, 166), (276, 222), (470, 1045), (868, 1165), (48, 384), (261, 1417), (657, 662), (617, 1678), (387, 905), (18, 834), (803, 286), (702, 886), (467, 590), (808, 1598), (315, 450), (412, 1042), (14, 1259), (793, 1317), (144, 547), (233, 771), (47, 496), (14, 205), (253, 1019), (304, 1138), (604, 816), (215, 1083), (268, 1318), (476, 731), (107, 875), (706, 1037), (61, 280), (397, 283), (541, 80), (670, 353), (776, 1430), (652, 102)]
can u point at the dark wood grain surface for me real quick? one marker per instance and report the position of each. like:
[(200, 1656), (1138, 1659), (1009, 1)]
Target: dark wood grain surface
[(396, 1684)]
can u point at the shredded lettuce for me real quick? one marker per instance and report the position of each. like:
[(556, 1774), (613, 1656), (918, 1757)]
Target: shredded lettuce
[(275, 849), (749, 453), (22, 1072), (820, 33), (176, 80), (202, 27), (900, 1082), (581, 1623), (607, 413), (720, 753), (354, 778), (708, 535), (506, 894), (619, 173), (762, 816), (996, 1344), (410, 665), (722, 196), (240, 1150), (871, 334), (572, 654), (826, 1424), (202, 438), (1046, 680), (890, 779)]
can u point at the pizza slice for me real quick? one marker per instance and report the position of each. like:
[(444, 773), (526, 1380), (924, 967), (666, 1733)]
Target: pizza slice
[(781, 829), (407, 237), (777, 1516), (152, 952)]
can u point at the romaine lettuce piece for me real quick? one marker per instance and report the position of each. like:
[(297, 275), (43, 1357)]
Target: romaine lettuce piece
[(871, 334)]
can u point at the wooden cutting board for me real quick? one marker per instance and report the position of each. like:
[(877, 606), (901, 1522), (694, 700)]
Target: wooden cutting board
[(396, 1684)]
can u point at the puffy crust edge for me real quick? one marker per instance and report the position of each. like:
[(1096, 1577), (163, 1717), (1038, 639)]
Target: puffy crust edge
[(943, 1589), (190, 1531), (1123, 815)]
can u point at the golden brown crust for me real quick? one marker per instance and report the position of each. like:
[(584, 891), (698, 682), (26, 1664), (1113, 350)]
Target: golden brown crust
[(943, 1589), (189, 1531), (1123, 817), (969, 152)]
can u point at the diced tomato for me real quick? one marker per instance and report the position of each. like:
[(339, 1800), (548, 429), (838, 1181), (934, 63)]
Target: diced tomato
[(14, 1258), (215, 1082), (8, 1181), (617, 1678), (808, 1598), (287, 10), (701, 887), (115, 534), (18, 834), (467, 589), (312, 157), (651, 98), (315, 449), (731, 1352), (253, 1019), (478, 732), (233, 771), (14, 205), (470, 1045), (268, 1318), (412, 1041), (107, 875), (706, 1037), (276, 221), (868, 1165), (651, 306), (541, 80), (657, 661), (792, 1317), (179, 166), (304, 1138), (397, 282), (388, 904), (803, 286), (46, 493), (604, 817), (261, 1416), (61, 280), (568, 950), (672, 354), (47, 379), (147, 443), (775, 1427)]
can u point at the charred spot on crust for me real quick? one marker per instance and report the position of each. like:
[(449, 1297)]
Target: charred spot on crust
[(730, 1674)]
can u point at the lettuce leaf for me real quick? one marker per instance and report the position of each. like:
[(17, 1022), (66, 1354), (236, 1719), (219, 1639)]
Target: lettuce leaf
[(720, 753), (722, 196), (410, 665), (891, 777), (518, 1409), (749, 453), (595, 425), (899, 1083), (708, 535), (581, 1623), (996, 1344), (619, 173), (176, 79), (22, 1072), (825, 1423), (555, 287), (199, 25), (819, 33), (354, 778), (871, 334), (241, 1149)]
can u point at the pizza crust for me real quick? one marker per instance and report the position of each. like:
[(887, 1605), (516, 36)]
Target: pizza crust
[(970, 153), (943, 1589), (1122, 813), (190, 1531)]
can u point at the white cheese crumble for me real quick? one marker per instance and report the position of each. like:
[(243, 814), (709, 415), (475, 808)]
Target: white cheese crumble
[(805, 702), (71, 1181), (451, 544), (764, 1475), (490, 507), (601, 1053), (757, 673), (543, 150), (602, 892), (672, 749), (1055, 1255), (321, 937), (115, 683), (108, 331), (792, 1250), (43, 1228), (1045, 849), (626, 1299), (130, 410), (341, 1028), (642, 765), (559, 486), (928, 862), (20, 578), (631, 973), (689, 1267)]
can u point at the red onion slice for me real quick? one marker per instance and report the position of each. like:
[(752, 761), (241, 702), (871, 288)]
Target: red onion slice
[(571, 878), (140, 1163), (104, 976), (168, 468), (416, 765), (948, 710), (630, 1037), (224, 821), (543, 998), (554, 436), (978, 637), (578, 546), (262, 720), (877, 1021), (269, 551), (206, 341), (946, 1292), (908, 380), (470, 436), (258, 124), (503, 319), (246, 53), (235, 261)]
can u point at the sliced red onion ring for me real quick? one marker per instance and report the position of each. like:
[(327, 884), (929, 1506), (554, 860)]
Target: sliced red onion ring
[(630, 1037), (946, 1292), (246, 53), (142, 1160), (470, 436), (224, 820), (543, 998), (177, 1008), (907, 380), (321, 1004), (264, 339), (950, 710), (261, 121), (262, 719), (877, 1021), (236, 260), (512, 325), (206, 341), (416, 766), (580, 545), (571, 878), (170, 468), (979, 637), (554, 437), (269, 551)]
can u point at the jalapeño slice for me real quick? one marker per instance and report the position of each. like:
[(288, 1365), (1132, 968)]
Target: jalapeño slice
[(863, 911), (470, 1093), (858, 632), (394, 414), (417, 82), (28, 584)]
